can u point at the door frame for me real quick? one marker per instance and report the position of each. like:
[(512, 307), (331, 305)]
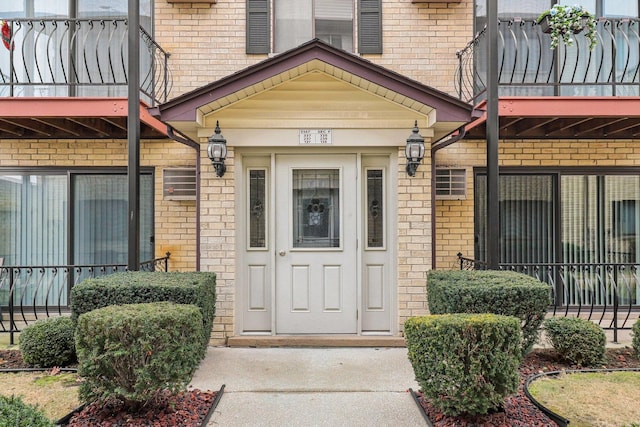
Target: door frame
[(244, 157)]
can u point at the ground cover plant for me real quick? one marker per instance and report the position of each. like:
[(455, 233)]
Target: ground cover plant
[(14, 412)]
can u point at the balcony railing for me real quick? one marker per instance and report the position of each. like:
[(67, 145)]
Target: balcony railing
[(606, 293), (78, 57), (529, 67), (30, 293)]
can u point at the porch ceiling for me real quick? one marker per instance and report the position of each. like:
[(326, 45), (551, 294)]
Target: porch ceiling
[(72, 118), (562, 118)]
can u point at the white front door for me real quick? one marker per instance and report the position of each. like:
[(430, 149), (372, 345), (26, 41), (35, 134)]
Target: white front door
[(316, 244)]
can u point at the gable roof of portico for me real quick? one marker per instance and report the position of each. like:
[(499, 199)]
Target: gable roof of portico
[(446, 113)]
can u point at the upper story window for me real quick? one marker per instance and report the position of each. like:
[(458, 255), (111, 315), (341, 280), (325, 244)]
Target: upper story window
[(298, 21)]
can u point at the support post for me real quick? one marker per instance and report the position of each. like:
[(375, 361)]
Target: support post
[(133, 134), (493, 204)]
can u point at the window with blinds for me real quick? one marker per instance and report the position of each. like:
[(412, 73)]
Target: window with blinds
[(584, 224), (527, 222), (54, 218), (298, 21)]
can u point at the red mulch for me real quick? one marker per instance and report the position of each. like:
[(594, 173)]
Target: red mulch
[(518, 411), (186, 409)]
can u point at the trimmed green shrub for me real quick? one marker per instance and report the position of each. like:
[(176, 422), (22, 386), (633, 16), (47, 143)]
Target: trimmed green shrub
[(466, 364), (131, 352), (499, 292), (14, 412), (197, 288), (577, 341), (635, 333), (49, 342)]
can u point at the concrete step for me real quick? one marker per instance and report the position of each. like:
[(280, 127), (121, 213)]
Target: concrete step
[(314, 341)]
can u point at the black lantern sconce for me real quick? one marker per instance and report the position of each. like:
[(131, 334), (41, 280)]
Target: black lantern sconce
[(217, 151), (414, 151)]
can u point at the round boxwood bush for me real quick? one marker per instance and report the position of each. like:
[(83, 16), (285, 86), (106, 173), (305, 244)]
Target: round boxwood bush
[(577, 341), (466, 364), (14, 412), (49, 342), (635, 332)]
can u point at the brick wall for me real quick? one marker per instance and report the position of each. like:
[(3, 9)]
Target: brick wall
[(207, 42), (174, 220), (454, 219), (414, 238), (218, 241)]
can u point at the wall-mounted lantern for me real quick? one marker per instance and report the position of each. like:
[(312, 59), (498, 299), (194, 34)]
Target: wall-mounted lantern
[(217, 151), (414, 150)]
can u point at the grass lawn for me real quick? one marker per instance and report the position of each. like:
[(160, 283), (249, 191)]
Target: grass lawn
[(592, 398), (5, 339), (55, 395)]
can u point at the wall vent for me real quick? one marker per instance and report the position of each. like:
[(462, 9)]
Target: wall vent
[(451, 183), (179, 183)]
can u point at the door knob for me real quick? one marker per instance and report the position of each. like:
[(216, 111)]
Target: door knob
[(282, 252)]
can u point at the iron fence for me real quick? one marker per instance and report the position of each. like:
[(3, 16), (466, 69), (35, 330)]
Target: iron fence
[(79, 57), (606, 293), (30, 293), (529, 67)]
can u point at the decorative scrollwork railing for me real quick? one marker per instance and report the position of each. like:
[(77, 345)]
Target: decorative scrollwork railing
[(79, 57), (29, 293), (529, 67), (606, 293)]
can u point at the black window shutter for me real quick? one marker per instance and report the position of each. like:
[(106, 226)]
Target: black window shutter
[(258, 34), (370, 26)]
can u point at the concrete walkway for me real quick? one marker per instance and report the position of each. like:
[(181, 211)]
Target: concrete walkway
[(310, 386)]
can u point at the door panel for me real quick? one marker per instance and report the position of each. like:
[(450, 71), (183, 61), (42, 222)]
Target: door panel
[(316, 232)]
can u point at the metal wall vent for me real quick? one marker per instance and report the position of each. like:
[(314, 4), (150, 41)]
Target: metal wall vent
[(451, 183), (179, 183)]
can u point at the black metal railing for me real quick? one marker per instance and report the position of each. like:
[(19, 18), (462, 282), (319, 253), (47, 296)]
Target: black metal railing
[(606, 293), (529, 67), (79, 57), (30, 293)]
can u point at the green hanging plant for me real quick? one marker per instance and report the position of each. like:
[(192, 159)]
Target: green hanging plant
[(562, 22)]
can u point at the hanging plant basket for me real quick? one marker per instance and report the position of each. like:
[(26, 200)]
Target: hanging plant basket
[(562, 22), (546, 25)]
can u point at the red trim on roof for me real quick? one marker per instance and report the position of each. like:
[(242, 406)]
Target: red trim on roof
[(76, 109), (562, 117)]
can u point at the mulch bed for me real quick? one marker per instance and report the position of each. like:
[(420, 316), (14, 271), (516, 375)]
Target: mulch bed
[(518, 411), (187, 408), (190, 408)]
